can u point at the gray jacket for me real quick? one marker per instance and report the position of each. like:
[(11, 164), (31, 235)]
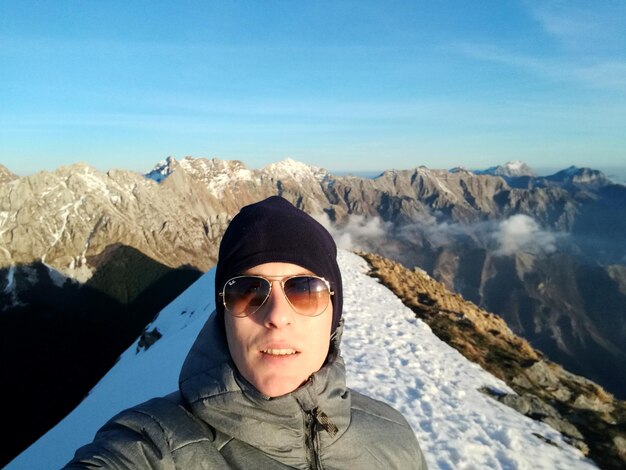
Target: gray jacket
[(218, 420)]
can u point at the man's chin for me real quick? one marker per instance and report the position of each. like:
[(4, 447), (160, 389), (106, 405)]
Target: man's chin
[(277, 386)]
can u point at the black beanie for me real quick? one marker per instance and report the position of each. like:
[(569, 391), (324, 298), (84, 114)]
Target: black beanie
[(274, 231)]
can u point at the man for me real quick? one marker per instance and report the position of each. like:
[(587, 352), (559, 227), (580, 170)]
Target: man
[(263, 386)]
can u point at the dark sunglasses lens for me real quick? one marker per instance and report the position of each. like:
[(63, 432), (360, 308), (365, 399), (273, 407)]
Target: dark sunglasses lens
[(244, 295), (307, 295)]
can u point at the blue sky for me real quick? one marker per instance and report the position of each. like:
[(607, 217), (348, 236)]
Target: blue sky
[(363, 85)]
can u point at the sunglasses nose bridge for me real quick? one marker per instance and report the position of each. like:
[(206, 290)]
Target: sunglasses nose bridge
[(280, 291), (277, 309)]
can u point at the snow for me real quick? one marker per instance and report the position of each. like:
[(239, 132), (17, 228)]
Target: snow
[(94, 182), (390, 355), (217, 183), (298, 171), (445, 189), (515, 165), (509, 169), (217, 174), (517, 168), (57, 278), (10, 279), (437, 180)]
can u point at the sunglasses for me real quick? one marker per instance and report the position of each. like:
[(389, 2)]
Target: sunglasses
[(307, 295)]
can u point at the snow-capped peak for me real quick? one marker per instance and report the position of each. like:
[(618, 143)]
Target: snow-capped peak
[(512, 169), (293, 169), (518, 168)]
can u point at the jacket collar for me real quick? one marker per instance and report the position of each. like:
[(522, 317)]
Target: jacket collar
[(220, 396)]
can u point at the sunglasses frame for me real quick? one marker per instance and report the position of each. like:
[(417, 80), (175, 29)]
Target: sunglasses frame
[(271, 280)]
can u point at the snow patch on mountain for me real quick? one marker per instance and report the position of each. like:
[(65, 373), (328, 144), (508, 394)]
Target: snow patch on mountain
[(297, 171), (94, 182), (217, 175), (10, 280), (390, 355), (510, 169), (4, 219)]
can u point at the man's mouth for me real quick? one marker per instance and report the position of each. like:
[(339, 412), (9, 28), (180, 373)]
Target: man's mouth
[(279, 352)]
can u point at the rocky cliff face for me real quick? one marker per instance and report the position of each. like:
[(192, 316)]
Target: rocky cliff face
[(545, 253)]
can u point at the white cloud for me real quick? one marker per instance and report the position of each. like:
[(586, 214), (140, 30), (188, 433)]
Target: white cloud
[(518, 233), (521, 233), (359, 233)]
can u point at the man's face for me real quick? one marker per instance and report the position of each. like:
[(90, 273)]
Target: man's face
[(275, 348)]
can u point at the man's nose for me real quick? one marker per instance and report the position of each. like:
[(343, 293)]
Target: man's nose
[(277, 311)]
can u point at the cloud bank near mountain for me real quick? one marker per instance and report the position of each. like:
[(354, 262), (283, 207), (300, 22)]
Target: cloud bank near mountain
[(360, 233), (522, 233), (518, 233)]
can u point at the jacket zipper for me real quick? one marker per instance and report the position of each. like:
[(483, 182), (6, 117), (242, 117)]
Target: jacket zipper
[(311, 440), (313, 418)]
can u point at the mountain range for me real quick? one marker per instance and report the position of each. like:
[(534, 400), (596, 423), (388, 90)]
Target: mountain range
[(547, 254)]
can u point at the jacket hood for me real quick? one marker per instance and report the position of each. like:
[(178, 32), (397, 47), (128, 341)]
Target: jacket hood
[(216, 393)]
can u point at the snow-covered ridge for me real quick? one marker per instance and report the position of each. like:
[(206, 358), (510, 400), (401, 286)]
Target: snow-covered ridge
[(390, 355)]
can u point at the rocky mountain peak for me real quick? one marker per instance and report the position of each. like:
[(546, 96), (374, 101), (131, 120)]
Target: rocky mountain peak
[(460, 170), (215, 174), (6, 175), (213, 166), (579, 176)]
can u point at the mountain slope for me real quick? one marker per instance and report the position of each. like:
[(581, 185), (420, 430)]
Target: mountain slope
[(390, 355), (62, 336), (592, 419)]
